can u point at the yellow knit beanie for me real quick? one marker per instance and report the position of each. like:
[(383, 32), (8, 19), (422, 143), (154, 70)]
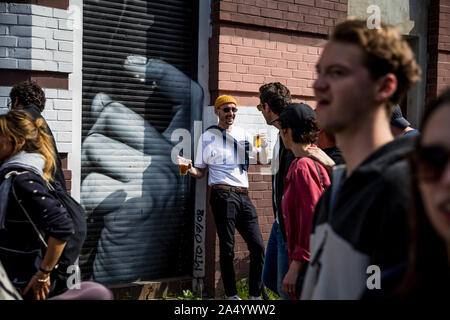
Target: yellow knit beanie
[(221, 100)]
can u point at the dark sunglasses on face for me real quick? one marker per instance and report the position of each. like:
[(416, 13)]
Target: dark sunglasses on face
[(260, 106), (226, 109), (430, 162)]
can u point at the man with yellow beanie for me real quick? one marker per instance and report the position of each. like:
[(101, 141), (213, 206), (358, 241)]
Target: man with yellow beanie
[(224, 150)]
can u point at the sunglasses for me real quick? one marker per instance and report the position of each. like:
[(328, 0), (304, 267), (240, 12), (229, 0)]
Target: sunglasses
[(430, 161), (260, 106), (226, 109)]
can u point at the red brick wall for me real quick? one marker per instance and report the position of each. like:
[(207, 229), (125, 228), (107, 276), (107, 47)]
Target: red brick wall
[(443, 64), (438, 70), (255, 42), (61, 4), (260, 41), (248, 58), (67, 173), (312, 16)]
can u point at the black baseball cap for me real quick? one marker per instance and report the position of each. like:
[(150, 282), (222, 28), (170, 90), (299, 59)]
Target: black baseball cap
[(295, 113), (397, 119)]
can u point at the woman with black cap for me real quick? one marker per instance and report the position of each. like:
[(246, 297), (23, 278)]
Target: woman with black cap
[(304, 184)]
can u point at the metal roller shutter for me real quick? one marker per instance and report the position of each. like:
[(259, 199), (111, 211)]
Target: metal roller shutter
[(139, 59)]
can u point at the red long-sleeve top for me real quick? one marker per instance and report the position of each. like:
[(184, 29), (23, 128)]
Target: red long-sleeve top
[(302, 190)]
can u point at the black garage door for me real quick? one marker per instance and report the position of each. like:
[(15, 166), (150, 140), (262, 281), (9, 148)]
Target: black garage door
[(139, 72)]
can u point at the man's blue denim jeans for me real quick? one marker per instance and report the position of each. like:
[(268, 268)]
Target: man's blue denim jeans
[(276, 263)]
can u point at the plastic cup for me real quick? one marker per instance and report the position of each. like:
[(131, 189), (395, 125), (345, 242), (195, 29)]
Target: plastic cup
[(183, 164), (257, 141)]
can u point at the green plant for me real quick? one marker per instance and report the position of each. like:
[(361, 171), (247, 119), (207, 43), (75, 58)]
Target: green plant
[(242, 289), (272, 295), (127, 296), (168, 295), (188, 295)]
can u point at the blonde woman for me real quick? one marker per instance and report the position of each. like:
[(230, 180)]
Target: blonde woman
[(31, 211)]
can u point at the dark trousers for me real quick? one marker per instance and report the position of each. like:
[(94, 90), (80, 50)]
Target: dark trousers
[(235, 211)]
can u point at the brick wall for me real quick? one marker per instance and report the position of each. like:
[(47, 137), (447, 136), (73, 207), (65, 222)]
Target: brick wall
[(438, 71), (311, 16), (248, 58), (260, 186), (61, 4), (255, 42), (36, 43), (67, 173), (443, 64), (57, 113), (35, 38)]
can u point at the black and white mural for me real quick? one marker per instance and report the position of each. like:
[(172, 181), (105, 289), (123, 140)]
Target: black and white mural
[(139, 62)]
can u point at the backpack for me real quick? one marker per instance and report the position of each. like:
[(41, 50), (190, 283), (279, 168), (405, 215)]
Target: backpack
[(74, 244)]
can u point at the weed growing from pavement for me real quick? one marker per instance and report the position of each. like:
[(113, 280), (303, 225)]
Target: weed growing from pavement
[(242, 289), (188, 295)]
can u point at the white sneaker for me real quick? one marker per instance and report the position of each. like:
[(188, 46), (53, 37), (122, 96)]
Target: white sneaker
[(254, 298), (235, 297)]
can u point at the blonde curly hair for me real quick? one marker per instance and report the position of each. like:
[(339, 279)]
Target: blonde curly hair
[(26, 134)]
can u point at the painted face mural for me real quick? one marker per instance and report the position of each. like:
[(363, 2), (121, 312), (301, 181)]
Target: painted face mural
[(139, 219)]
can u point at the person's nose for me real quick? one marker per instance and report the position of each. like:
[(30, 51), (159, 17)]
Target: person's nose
[(320, 84)]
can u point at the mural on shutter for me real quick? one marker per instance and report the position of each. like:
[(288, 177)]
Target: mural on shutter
[(139, 58)]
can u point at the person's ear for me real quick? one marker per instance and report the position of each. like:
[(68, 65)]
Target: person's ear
[(385, 87), (269, 112)]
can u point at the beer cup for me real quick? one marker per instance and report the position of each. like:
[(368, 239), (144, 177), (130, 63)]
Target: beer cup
[(257, 141), (183, 164)]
